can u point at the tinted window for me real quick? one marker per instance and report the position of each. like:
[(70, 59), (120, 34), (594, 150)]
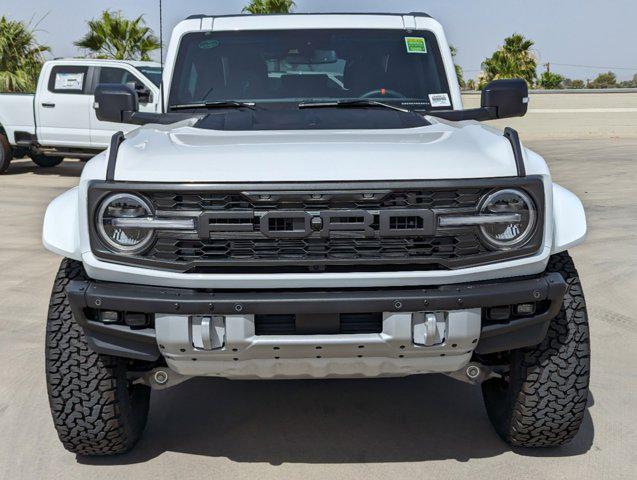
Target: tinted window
[(311, 65), (152, 73), (118, 75), (68, 80)]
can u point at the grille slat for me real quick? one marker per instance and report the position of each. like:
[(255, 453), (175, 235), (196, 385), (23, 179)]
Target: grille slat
[(210, 201), (316, 249)]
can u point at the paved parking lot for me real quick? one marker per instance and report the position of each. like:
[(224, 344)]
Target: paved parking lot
[(418, 427)]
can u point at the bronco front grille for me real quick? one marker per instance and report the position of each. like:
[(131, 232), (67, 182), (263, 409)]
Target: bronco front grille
[(317, 227)]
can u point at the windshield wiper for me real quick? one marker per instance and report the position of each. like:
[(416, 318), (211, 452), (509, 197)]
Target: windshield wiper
[(212, 105), (352, 104)]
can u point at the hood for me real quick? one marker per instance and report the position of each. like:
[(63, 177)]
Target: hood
[(442, 150)]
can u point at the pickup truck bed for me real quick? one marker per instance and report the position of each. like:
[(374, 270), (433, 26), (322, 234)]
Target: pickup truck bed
[(19, 108)]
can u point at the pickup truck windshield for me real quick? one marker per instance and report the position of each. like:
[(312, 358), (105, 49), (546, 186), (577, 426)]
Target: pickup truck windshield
[(304, 66)]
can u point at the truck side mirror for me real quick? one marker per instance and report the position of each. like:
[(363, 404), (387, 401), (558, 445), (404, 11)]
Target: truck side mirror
[(500, 99), (115, 102), (509, 98), (144, 95)]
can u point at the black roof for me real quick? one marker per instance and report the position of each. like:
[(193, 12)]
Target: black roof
[(412, 14)]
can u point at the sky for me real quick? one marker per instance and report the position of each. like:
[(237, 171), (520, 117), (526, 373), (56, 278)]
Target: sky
[(580, 38)]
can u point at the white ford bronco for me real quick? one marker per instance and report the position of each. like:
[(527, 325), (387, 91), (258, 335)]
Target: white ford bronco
[(314, 202)]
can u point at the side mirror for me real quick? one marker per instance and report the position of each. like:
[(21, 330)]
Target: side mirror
[(144, 95), (500, 99), (509, 98), (115, 102)]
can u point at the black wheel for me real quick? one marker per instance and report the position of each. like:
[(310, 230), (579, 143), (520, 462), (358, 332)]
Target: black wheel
[(5, 154), (96, 410), (46, 162), (543, 400)]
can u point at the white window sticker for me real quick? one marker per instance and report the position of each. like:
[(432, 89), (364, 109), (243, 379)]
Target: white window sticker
[(439, 100), (69, 81)]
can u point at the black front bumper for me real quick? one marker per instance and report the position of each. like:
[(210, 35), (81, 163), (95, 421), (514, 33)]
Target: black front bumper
[(119, 340)]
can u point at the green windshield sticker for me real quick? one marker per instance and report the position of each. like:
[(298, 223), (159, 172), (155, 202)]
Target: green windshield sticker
[(208, 44), (416, 45)]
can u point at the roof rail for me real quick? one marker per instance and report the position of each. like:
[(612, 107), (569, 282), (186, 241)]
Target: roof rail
[(201, 16), (419, 14)]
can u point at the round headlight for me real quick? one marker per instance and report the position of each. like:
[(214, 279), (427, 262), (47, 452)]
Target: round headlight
[(519, 218), (119, 237)]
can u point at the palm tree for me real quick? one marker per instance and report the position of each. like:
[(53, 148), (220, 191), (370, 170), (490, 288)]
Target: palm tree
[(269, 6), (21, 57), (114, 36), (513, 60), (459, 71)]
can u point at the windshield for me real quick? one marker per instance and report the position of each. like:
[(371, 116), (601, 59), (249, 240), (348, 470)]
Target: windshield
[(300, 66), (152, 73)]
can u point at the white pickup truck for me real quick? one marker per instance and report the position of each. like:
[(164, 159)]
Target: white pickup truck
[(314, 202), (59, 120)]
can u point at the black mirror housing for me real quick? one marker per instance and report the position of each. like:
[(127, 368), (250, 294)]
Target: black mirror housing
[(510, 98), (115, 102), (500, 99)]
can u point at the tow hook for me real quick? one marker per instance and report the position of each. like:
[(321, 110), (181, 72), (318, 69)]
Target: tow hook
[(476, 373), (161, 378)]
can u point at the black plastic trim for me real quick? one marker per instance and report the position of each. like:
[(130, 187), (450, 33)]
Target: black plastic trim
[(514, 138), (253, 187), (147, 299), (116, 141), (25, 139), (139, 344), (527, 332)]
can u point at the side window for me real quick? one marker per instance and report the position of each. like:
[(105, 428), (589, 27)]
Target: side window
[(68, 80), (119, 75), (123, 77)]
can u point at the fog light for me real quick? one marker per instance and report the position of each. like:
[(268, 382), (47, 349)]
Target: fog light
[(136, 319), (525, 309), (107, 316), (499, 313)]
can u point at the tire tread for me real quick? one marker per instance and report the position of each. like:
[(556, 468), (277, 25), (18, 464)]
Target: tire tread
[(545, 402), (92, 409)]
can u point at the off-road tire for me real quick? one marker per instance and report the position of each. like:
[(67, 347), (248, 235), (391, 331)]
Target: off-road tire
[(44, 161), (5, 154), (543, 401), (96, 411)]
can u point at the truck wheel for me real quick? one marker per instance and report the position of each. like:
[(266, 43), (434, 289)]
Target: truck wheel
[(543, 400), (46, 162), (96, 410), (5, 154)]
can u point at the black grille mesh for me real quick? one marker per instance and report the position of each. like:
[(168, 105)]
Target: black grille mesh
[(316, 249), (459, 198), (350, 324)]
